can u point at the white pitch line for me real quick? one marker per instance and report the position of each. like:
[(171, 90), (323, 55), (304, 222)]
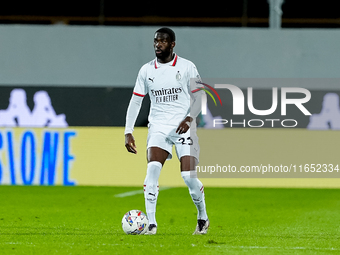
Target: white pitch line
[(136, 192)]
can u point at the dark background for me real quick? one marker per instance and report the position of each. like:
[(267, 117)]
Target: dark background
[(107, 106), (231, 13), (85, 106)]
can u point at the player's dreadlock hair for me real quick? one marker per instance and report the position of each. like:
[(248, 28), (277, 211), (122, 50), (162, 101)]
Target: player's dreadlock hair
[(168, 31)]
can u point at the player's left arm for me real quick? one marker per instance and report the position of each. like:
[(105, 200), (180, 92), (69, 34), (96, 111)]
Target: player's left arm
[(195, 106)]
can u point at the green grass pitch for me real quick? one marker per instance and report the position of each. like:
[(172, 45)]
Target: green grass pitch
[(87, 220)]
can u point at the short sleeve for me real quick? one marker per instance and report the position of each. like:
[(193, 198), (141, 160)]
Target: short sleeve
[(195, 79), (140, 88), (193, 73)]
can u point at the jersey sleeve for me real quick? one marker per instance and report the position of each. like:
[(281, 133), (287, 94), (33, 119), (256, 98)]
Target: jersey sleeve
[(195, 79), (132, 113), (196, 87), (140, 88)]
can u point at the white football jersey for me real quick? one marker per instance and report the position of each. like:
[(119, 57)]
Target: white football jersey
[(168, 86)]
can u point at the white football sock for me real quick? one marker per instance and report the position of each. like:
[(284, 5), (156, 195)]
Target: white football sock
[(151, 190), (196, 191)]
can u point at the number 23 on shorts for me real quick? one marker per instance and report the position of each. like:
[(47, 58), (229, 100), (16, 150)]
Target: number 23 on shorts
[(187, 141)]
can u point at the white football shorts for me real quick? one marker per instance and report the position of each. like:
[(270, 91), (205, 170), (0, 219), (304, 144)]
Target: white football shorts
[(165, 137)]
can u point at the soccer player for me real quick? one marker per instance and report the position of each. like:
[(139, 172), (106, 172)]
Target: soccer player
[(171, 122)]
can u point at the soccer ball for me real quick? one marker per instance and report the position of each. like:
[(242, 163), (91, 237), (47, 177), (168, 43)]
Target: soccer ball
[(135, 222)]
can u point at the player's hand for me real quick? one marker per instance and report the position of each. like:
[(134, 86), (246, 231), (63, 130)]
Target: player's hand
[(130, 143), (184, 125)]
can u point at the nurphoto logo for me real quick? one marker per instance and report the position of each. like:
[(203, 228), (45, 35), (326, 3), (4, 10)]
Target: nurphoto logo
[(238, 104)]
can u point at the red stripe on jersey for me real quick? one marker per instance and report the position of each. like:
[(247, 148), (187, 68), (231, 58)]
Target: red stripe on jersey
[(140, 95), (155, 64), (195, 90), (175, 61)]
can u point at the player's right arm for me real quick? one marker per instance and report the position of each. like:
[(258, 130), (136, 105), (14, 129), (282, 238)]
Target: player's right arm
[(133, 110), (131, 116)]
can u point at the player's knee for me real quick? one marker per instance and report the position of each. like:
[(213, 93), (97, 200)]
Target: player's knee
[(190, 181)]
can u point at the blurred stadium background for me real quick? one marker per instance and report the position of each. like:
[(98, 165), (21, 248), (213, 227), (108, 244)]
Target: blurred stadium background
[(86, 56)]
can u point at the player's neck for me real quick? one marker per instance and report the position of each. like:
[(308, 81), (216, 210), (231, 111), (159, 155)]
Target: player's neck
[(167, 59)]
